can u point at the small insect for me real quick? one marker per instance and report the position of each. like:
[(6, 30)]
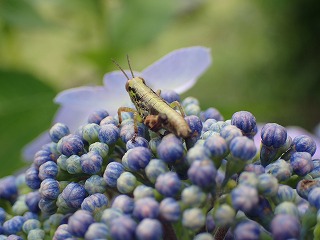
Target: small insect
[(152, 110)]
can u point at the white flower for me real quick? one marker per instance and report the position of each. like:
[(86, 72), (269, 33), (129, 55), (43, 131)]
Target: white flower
[(178, 71)]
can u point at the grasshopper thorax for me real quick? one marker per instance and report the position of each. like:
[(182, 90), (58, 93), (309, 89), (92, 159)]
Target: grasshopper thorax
[(131, 82)]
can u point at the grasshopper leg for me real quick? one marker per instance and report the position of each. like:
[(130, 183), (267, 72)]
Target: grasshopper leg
[(176, 104), (135, 118), (155, 122)]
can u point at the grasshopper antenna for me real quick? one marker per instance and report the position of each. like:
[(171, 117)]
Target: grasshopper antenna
[(130, 66), (117, 64)]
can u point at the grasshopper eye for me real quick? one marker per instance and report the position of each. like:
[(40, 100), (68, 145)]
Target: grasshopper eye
[(127, 86)]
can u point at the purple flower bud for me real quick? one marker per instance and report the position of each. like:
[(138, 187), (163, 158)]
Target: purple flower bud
[(91, 163), (48, 170), (195, 125), (198, 152), (210, 224), (62, 232), (49, 189), (273, 135), (71, 145), (243, 148), (109, 120), (109, 214), (285, 193), (79, 223), (247, 230), (189, 101), (248, 178), (258, 169), (41, 157), (136, 158), (301, 163), (100, 148), (137, 142), (193, 196), (168, 184), (217, 146), (36, 234), (73, 195), (211, 113), (154, 168), (13, 225), (170, 210), (170, 96), (224, 215), (95, 184), (112, 173), (8, 188), (2, 215), (170, 149), (267, 185), (94, 202), (206, 126), (304, 143), (97, 116), (32, 201), (97, 231), (123, 203), (58, 131), (314, 197), (109, 134), (244, 198), (202, 174), (123, 228), (90, 132), (287, 208), (284, 226), (30, 224), (73, 164), (280, 169), (246, 122), (229, 132), (62, 162), (204, 236), (126, 182), (149, 229), (146, 208), (305, 186), (47, 206), (142, 191), (193, 218), (32, 178)]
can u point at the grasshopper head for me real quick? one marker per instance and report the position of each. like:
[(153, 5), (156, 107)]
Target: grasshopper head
[(133, 81)]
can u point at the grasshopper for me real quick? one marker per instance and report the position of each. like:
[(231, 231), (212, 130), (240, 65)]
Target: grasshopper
[(152, 110)]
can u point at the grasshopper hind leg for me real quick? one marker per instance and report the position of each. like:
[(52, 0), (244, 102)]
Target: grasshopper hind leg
[(156, 122), (176, 104)]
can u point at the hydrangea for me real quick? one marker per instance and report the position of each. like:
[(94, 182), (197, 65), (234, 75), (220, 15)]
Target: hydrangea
[(105, 180)]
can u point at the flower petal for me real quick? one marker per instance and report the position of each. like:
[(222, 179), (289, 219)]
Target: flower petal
[(178, 70), (116, 80), (94, 98)]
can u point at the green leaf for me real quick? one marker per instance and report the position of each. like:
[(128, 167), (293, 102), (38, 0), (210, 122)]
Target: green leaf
[(20, 13), (26, 109)]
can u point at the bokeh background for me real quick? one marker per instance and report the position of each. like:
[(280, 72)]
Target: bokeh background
[(266, 56)]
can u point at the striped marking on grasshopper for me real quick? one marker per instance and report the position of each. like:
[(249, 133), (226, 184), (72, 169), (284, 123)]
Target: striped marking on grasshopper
[(153, 110)]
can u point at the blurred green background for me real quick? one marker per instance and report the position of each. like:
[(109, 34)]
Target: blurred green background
[(266, 56)]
